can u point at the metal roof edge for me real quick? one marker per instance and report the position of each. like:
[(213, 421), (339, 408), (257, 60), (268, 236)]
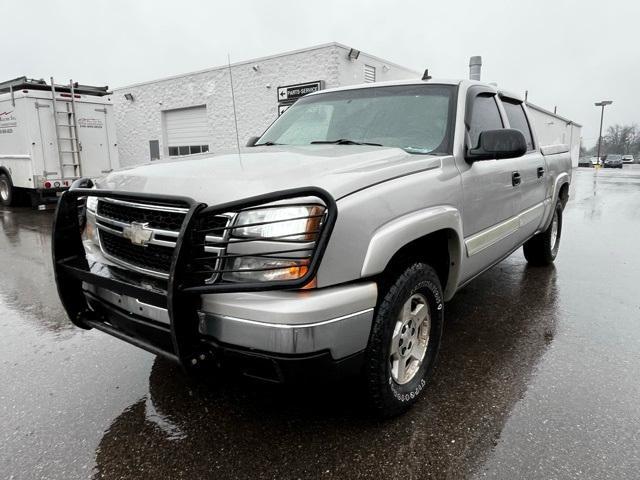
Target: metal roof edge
[(262, 59), (387, 62), (559, 117), (235, 64)]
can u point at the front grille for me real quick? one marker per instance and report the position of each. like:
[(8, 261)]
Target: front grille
[(114, 217), (151, 257), (160, 219)]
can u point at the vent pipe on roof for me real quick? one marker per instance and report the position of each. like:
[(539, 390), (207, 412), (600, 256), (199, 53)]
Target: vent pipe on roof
[(475, 66)]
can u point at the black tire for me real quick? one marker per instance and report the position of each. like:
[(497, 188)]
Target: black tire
[(542, 249), (7, 192), (387, 396)]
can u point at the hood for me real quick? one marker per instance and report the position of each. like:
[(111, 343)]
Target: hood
[(225, 177)]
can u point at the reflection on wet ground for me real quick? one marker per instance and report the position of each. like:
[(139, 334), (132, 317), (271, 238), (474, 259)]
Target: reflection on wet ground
[(538, 378)]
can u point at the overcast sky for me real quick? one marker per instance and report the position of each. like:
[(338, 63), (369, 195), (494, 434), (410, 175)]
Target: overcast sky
[(566, 53)]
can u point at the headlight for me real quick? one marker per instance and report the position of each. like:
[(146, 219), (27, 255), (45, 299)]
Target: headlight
[(288, 223), (90, 232), (88, 223), (264, 269), (266, 242), (92, 204)]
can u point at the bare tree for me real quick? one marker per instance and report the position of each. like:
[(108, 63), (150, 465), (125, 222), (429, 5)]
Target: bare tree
[(623, 139)]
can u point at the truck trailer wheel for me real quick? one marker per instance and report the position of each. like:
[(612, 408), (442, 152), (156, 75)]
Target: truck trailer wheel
[(404, 341), (542, 249), (7, 193)]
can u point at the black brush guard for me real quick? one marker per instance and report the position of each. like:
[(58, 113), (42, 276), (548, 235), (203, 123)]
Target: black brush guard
[(180, 341)]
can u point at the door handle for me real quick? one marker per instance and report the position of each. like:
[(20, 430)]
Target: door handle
[(516, 179), (540, 172)]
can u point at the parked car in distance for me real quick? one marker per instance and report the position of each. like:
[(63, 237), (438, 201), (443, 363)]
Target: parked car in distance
[(613, 160), (330, 244), (585, 162), (627, 159)]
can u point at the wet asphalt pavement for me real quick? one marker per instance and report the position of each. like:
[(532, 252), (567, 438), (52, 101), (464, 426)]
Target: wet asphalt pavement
[(539, 377)]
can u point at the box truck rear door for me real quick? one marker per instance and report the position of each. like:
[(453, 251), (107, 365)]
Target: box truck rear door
[(94, 134)]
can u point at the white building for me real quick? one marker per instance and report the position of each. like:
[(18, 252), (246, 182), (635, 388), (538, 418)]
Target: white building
[(193, 113), (190, 113)]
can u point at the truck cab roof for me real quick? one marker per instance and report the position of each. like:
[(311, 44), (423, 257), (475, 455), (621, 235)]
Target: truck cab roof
[(433, 81)]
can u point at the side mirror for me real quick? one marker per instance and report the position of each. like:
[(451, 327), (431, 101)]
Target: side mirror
[(252, 141), (497, 144)]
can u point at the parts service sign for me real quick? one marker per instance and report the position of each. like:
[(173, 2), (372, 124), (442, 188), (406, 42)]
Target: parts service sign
[(290, 93)]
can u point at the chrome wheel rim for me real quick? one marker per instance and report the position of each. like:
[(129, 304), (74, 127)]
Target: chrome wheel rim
[(554, 230), (4, 189), (410, 339)]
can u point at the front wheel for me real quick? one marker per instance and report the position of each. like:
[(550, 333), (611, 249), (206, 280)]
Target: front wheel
[(404, 341), (542, 249)]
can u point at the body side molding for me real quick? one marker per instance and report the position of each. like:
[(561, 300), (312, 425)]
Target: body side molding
[(492, 235)]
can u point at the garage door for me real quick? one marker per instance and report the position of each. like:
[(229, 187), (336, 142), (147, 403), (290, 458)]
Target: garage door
[(187, 130)]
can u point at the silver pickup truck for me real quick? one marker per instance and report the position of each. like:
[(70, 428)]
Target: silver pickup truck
[(330, 244)]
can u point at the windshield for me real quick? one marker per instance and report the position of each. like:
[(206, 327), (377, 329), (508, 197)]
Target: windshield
[(614, 157), (413, 117)]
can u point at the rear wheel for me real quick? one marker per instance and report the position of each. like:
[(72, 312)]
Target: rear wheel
[(542, 249), (405, 338), (7, 192)]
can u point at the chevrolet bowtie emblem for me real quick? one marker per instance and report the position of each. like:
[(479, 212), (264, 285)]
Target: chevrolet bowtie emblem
[(138, 233)]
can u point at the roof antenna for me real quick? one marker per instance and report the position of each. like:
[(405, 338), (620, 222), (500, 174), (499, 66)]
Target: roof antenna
[(233, 98), (425, 75)]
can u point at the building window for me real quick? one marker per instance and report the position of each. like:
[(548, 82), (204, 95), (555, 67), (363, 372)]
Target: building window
[(154, 150), (369, 74), (187, 150)]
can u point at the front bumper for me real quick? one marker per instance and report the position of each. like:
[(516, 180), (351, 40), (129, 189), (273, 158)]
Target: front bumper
[(336, 320)]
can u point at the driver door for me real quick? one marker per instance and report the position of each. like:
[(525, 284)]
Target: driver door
[(491, 195)]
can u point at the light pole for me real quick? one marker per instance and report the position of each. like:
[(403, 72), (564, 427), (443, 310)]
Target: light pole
[(602, 104)]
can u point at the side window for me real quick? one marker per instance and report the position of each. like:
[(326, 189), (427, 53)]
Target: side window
[(484, 116), (518, 120)]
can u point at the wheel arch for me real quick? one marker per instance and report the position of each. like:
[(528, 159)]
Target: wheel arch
[(561, 187), (563, 193), (560, 192), (433, 235), (6, 171)]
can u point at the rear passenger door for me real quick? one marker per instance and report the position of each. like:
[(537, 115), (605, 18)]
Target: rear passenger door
[(532, 170)]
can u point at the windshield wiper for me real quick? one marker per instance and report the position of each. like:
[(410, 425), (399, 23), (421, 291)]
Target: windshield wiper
[(419, 150), (423, 151), (267, 144), (344, 141)]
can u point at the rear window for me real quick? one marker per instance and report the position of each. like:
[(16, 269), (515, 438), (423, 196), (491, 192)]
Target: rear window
[(518, 120)]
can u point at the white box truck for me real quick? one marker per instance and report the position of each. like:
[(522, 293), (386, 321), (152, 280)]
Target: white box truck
[(51, 135)]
